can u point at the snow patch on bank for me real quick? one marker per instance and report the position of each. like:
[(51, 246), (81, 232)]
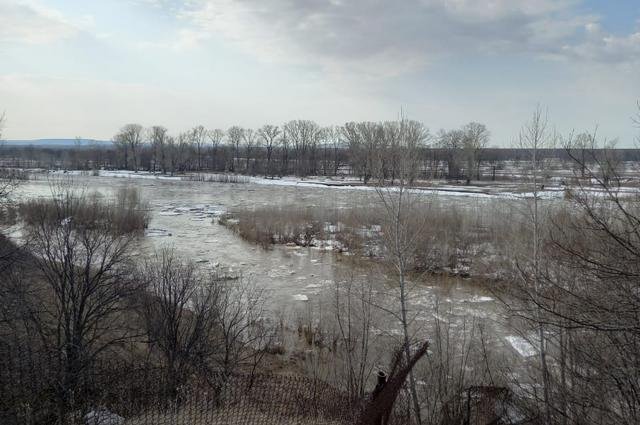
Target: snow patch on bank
[(445, 190)]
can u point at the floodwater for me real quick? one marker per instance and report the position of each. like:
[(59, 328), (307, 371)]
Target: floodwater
[(183, 217)]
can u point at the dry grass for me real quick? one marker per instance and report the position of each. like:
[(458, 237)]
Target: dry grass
[(268, 226), (477, 240), (124, 214)]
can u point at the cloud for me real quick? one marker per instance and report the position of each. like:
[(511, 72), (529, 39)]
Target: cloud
[(32, 23), (95, 108), (380, 38), (185, 39), (598, 46)]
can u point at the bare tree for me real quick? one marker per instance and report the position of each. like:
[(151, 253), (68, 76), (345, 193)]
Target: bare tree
[(269, 135), (215, 137), (171, 153), (363, 139), (182, 151), (198, 320), (180, 314), (199, 140), (401, 228), (244, 335), (417, 136), (586, 298), (392, 155), (452, 142), (122, 149), (302, 136), (356, 355), (475, 140), (130, 139), (158, 136), (79, 313), (8, 180), (285, 143), (335, 137), (235, 135), (535, 136), (330, 150), (314, 144), (584, 145), (249, 138)]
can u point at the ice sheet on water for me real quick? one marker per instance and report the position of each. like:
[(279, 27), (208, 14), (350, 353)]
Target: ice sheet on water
[(135, 175), (213, 212), (521, 345), (157, 232), (479, 299)]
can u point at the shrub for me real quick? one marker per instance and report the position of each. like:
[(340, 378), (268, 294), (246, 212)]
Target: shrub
[(267, 226), (125, 214)]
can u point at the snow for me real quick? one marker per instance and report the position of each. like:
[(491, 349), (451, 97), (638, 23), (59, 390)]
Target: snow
[(521, 345), (300, 297), (134, 175), (442, 190), (447, 190)]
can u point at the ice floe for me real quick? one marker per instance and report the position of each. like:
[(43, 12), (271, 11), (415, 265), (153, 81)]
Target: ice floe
[(521, 345), (157, 232)]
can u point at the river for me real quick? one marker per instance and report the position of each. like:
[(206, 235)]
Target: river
[(183, 217)]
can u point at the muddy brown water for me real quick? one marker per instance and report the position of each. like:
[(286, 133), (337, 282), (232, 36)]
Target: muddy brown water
[(183, 217)]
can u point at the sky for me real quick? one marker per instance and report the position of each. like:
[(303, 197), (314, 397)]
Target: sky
[(85, 68)]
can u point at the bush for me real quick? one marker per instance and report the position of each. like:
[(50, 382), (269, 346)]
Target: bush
[(13, 174), (125, 214), (267, 226), (460, 241)]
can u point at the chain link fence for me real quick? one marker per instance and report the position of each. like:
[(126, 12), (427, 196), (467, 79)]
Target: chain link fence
[(34, 391)]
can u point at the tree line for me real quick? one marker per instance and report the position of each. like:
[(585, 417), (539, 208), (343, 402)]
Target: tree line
[(300, 148)]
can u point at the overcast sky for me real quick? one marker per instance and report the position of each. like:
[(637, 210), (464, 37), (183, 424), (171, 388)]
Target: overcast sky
[(85, 68)]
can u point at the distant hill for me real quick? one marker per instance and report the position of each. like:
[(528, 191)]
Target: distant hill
[(59, 143)]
